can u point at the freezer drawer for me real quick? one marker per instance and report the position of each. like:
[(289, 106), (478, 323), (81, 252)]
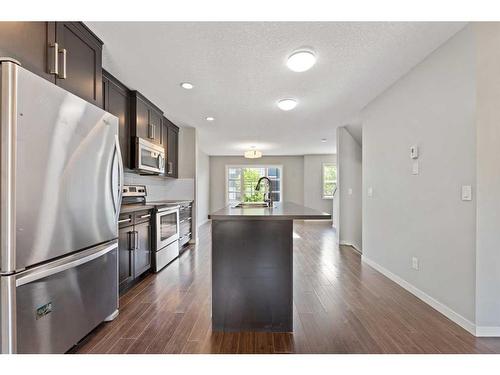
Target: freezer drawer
[(57, 310)]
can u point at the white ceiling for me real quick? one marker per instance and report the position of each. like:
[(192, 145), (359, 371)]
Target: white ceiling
[(239, 72)]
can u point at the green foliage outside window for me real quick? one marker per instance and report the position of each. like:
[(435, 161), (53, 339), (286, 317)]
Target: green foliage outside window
[(250, 178)]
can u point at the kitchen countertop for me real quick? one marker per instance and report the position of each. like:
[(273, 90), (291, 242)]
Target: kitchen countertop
[(134, 207), (128, 208), (280, 211), (170, 201)]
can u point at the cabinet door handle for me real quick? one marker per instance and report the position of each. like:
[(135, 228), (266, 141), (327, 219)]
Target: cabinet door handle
[(136, 237), (124, 221), (63, 69), (130, 234), (53, 59), (144, 216)]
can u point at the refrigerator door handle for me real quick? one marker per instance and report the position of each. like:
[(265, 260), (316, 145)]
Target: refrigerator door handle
[(118, 190), (57, 266), (8, 126)]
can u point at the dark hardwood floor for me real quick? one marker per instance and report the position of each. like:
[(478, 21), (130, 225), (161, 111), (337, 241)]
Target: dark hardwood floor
[(340, 306)]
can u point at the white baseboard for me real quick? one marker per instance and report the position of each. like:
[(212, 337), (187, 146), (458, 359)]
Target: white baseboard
[(483, 331), (443, 309), (345, 243), (203, 222)]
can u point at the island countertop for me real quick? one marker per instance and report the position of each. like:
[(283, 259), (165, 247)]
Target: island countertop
[(280, 211)]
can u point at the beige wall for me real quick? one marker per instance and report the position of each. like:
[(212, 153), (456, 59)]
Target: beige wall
[(422, 215), (488, 179), (349, 224), (313, 182), (302, 178)]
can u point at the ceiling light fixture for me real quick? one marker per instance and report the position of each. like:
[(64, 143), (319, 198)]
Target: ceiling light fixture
[(253, 154), (210, 118), (300, 61), (187, 85), (287, 104)]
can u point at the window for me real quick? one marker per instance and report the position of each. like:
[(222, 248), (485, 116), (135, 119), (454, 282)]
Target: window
[(329, 180), (241, 182)]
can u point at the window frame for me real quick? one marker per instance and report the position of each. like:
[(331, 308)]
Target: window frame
[(266, 166), (323, 165)]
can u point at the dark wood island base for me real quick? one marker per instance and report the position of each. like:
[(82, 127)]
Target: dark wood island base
[(252, 267), (252, 275)]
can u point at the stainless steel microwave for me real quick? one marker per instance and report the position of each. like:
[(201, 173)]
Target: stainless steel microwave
[(150, 158)]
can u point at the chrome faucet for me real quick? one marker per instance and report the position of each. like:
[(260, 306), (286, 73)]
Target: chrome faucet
[(267, 195)]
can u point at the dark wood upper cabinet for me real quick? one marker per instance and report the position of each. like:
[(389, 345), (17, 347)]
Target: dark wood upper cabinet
[(80, 61), (145, 118), (77, 52), (171, 142), (116, 100), (29, 43), (71, 46)]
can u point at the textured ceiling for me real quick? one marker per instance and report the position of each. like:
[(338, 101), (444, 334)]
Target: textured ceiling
[(239, 73)]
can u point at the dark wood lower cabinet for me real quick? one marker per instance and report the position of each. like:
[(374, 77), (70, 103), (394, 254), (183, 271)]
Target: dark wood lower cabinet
[(142, 262), (135, 248), (125, 258)]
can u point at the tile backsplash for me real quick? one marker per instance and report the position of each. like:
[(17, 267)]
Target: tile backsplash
[(160, 188)]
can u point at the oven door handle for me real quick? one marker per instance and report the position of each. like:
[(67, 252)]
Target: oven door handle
[(168, 210)]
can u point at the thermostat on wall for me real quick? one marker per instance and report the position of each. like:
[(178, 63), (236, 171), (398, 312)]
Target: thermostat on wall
[(414, 152)]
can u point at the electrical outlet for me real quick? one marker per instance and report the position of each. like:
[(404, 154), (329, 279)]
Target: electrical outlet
[(414, 263), (349, 191)]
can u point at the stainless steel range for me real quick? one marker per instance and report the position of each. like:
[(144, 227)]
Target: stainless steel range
[(61, 177), (167, 235), (166, 225)]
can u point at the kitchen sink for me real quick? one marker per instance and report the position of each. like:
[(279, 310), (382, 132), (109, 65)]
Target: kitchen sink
[(251, 205)]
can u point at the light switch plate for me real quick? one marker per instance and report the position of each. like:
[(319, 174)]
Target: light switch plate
[(349, 191), (414, 263), (466, 192), (415, 168), (370, 192)]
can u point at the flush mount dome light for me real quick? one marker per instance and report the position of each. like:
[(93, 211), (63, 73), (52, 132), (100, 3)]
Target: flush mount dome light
[(287, 104), (210, 118), (187, 85), (253, 154), (300, 61)]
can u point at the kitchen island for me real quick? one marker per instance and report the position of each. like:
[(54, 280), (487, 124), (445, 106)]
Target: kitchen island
[(252, 266)]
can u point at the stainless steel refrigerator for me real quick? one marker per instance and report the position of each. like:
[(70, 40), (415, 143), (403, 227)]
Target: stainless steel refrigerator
[(60, 190)]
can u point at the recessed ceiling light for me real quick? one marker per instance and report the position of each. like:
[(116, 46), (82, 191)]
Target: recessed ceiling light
[(287, 104), (210, 118), (323, 140), (300, 61), (187, 85)]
